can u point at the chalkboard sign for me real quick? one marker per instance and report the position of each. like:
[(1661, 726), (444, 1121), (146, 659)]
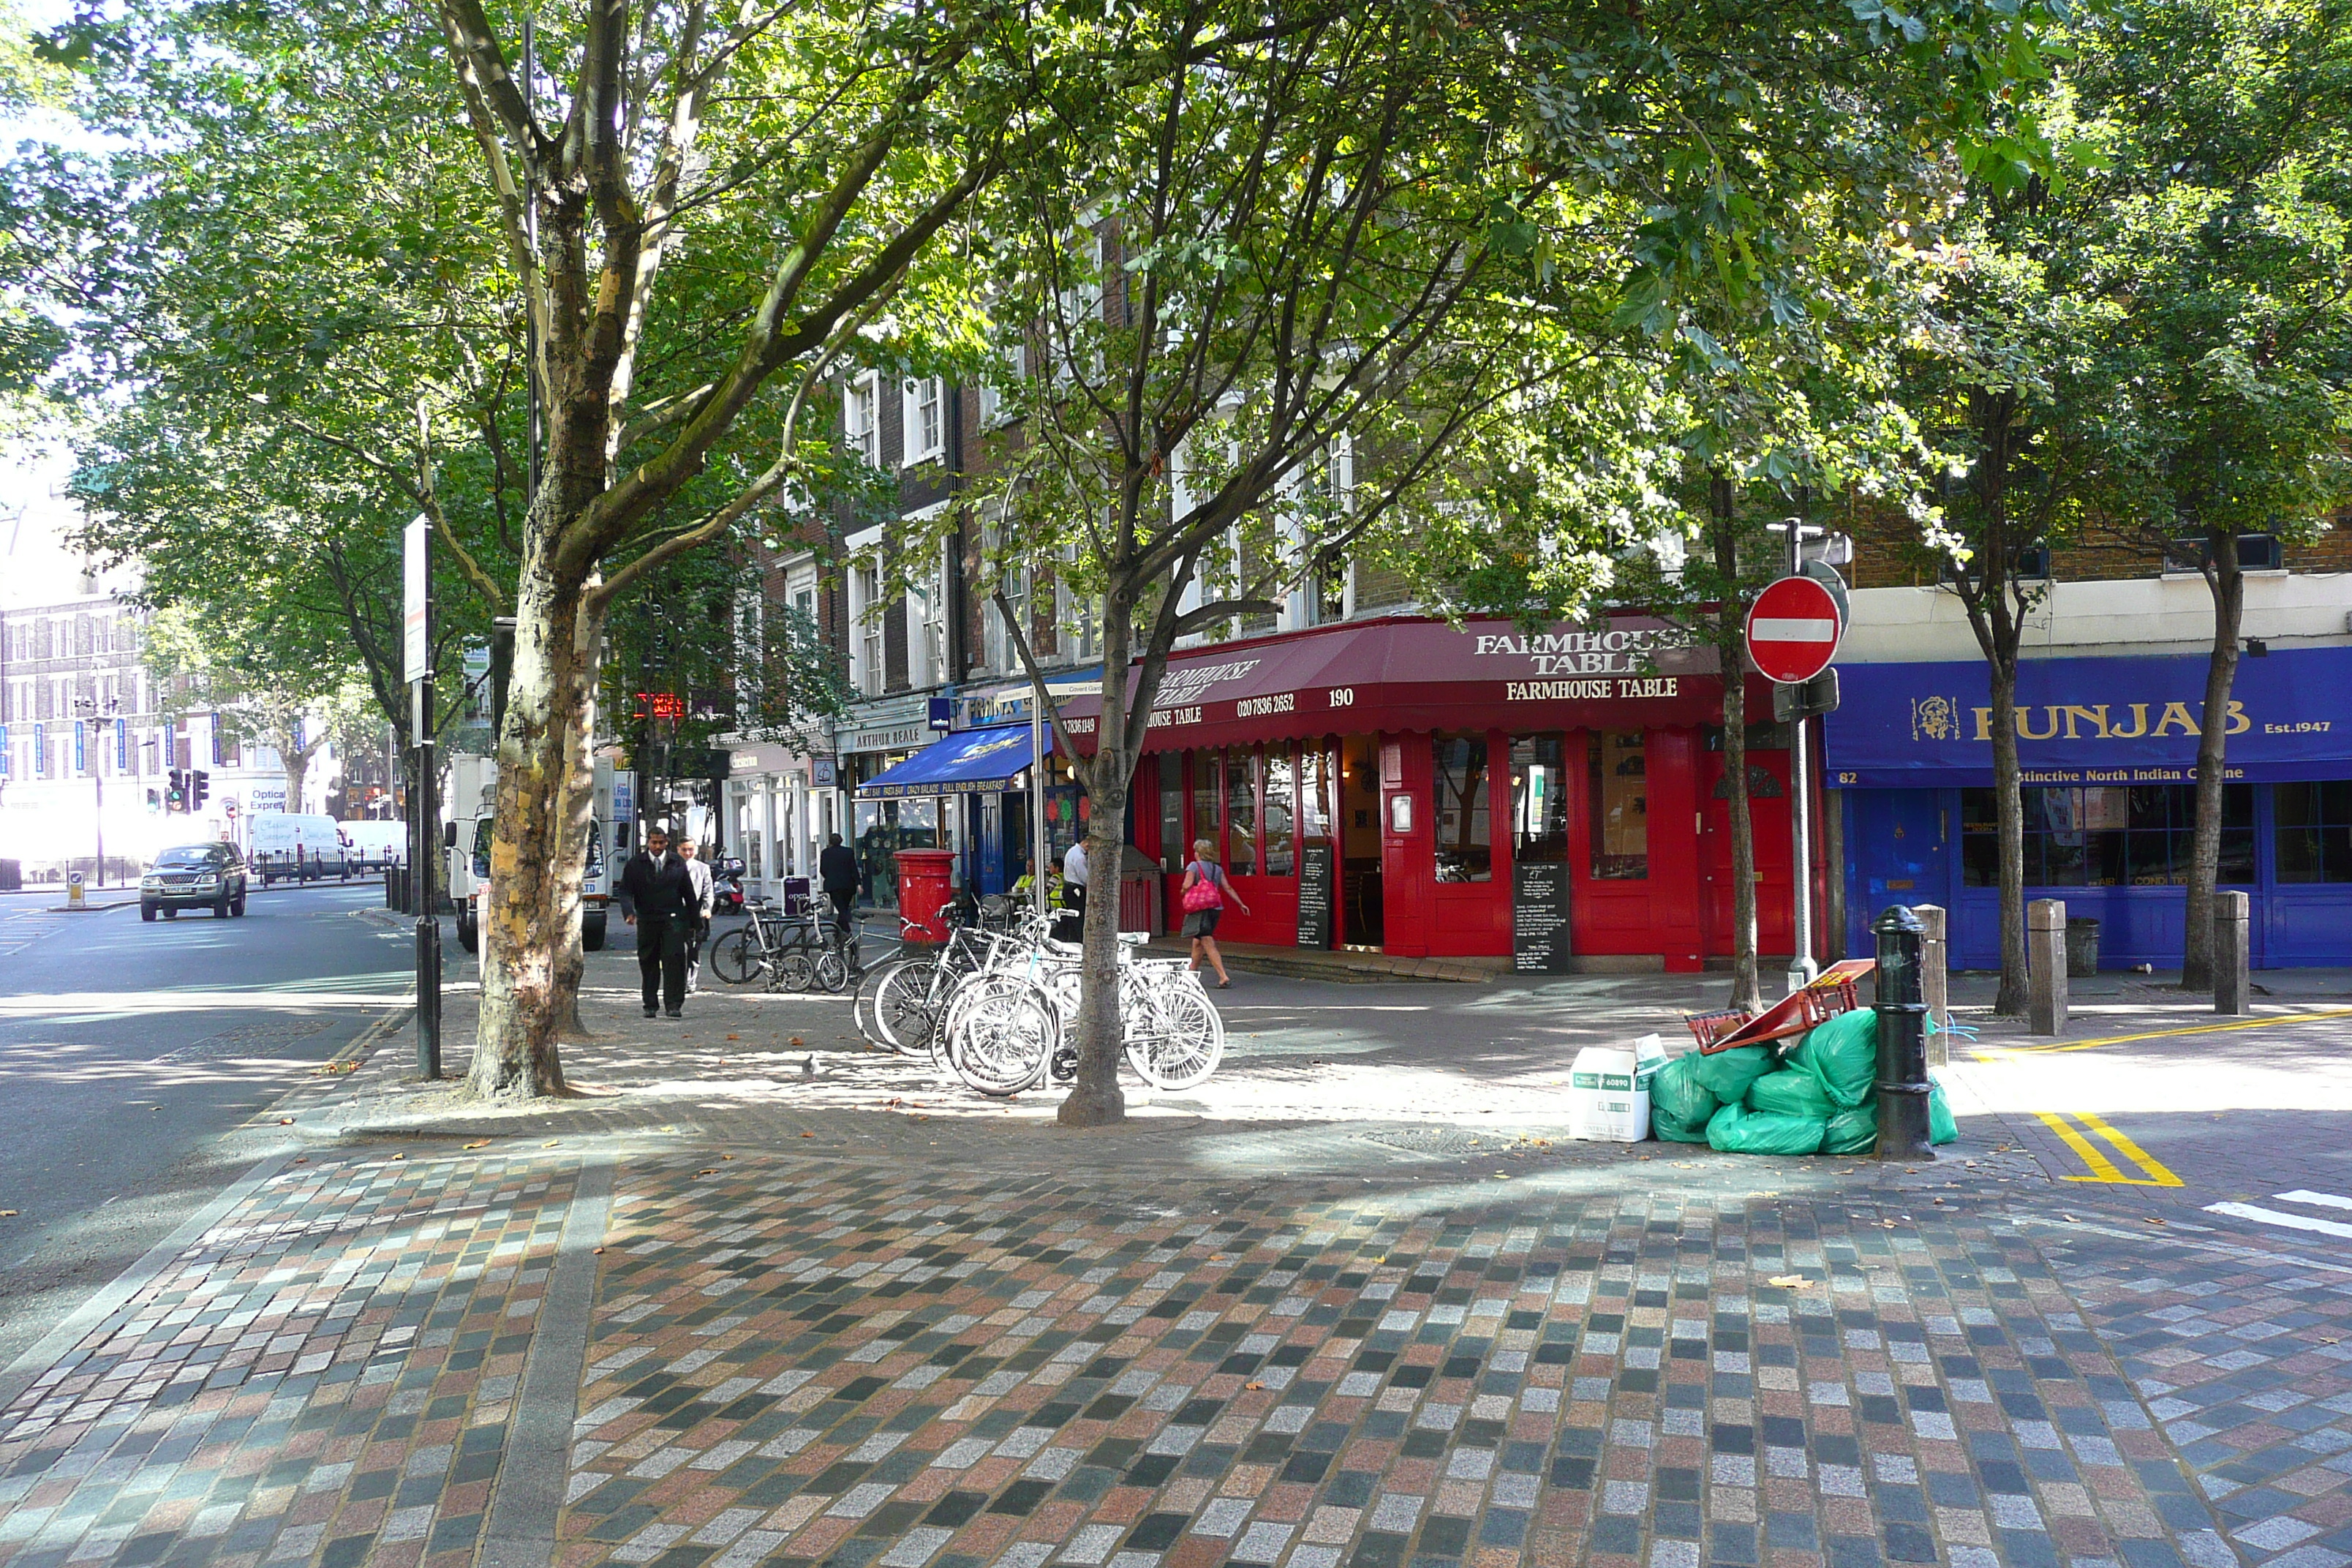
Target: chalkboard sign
[(1315, 878), (1539, 939)]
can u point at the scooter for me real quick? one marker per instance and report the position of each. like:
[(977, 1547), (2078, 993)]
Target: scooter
[(726, 886)]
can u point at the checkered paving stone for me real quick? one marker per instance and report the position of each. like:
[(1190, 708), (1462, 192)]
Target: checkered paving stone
[(323, 1377), (2247, 1360), (793, 1365)]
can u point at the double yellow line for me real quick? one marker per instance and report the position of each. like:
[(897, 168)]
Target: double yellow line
[(1991, 1053), (2102, 1169)]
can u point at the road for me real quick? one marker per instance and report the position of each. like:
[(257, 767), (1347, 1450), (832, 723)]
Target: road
[(129, 1055)]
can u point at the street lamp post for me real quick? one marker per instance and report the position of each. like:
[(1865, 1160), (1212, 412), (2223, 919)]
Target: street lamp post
[(90, 709)]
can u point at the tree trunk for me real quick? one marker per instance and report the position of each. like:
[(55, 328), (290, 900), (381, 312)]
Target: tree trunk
[(1747, 990), (2228, 588), (530, 908), (1095, 1099), (2009, 812)]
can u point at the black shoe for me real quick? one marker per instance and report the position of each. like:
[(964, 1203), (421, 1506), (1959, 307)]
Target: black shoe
[(673, 1013), (653, 1012)]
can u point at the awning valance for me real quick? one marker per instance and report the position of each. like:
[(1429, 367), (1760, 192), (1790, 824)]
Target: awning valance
[(975, 762)]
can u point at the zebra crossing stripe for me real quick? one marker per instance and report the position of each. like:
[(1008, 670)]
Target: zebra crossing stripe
[(2316, 1200), (2289, 1221)]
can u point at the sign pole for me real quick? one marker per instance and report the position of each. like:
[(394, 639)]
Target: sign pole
[(417, 649)]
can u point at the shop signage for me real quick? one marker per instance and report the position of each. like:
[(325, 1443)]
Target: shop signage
[(1315, 869), (1539, 931), (2092, 721), (895, 738), (825, 772), (1619, 650)]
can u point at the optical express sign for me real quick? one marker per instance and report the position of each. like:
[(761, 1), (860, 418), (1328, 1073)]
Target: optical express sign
[(2092, 721)]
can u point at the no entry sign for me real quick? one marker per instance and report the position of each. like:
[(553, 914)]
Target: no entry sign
[(1792, 630)]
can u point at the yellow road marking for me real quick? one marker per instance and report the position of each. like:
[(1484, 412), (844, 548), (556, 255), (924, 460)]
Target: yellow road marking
[(1989, 1053), (2104, 1169)]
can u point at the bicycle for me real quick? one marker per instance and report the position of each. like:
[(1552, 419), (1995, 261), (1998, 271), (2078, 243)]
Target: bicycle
[(774, 943)]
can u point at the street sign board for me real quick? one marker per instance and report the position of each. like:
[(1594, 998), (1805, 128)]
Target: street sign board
[(1819, 695), (1793, 629), (417, 652)]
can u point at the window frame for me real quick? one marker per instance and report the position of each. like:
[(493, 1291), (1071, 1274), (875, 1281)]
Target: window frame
[(916, 443), (862, 396)]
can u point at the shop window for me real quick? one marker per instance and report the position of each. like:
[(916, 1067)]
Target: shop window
[(1281, 800), (1539, 798), (2314, 835), (1317, 769), (1465, 851), (1241, 814), (1618, 760), (2107, 836), (1208, 806), (1173, 850)]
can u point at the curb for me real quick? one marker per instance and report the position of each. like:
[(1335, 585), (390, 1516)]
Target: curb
[(88, 908)]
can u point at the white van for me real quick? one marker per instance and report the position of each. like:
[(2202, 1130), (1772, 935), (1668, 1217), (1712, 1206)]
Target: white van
[(377, 843), (292, 847), (468, 844)]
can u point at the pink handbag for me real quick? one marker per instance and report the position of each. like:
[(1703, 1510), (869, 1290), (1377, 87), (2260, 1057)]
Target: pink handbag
[(1205, 894)]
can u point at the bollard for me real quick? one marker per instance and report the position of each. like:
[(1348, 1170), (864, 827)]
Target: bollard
[(1902, 1039), (2232, 989), (2045, 956), (1935, 983)]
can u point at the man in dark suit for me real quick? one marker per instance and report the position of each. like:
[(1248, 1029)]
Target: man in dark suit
[(838, 870), (657, 897)]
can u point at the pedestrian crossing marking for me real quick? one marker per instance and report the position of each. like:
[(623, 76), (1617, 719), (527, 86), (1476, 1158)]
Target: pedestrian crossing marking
[(2094, 1159), (1993, 1053), (2292, 1221)]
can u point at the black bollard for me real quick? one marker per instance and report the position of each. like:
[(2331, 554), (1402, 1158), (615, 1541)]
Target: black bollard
[(1902, 1039)]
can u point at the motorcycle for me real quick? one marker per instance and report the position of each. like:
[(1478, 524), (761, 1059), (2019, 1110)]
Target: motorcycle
[(726, 886)]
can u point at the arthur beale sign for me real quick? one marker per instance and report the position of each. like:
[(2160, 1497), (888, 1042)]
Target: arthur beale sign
[(2092, 721)]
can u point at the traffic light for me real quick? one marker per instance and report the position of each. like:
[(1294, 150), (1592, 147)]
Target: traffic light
[(176, 799), (201, 786)]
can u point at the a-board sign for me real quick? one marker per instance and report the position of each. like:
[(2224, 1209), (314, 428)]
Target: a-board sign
[(1540, 933), (1315, 867)]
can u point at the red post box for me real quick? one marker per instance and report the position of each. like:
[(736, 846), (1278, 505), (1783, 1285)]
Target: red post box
[(926, 885)]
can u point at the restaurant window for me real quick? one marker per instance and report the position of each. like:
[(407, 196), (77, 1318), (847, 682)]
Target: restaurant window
[(1464, 837), (1173, 850), (1539, 798), (1208, 806), (1315, 771), (2314, 831), (1281, 801), (1618, 760), (1241, 813), (2106, 836)]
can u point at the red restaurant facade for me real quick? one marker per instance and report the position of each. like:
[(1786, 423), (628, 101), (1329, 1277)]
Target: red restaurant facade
[(1437, 791)]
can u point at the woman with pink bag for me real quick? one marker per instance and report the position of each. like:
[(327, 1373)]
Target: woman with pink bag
[(1204, 895)]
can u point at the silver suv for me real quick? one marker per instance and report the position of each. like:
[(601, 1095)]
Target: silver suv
[(194, 877)]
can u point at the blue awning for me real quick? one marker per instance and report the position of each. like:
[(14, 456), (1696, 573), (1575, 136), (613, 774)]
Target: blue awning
[(973, 762)]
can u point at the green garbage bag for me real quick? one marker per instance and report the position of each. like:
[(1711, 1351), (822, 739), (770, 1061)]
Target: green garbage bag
[(1735, 1129), (1727, 1074), (1941, 1127), (1853, 1132), (1679, 1104), (1842, 1057), (1788, 1093)]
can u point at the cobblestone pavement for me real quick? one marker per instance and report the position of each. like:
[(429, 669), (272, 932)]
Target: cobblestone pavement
[(325, 1376)]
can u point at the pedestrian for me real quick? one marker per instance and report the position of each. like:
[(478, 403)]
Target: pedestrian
[(705, 896), (657, 898), (1074, 879), (837, 869), (1205, 889)]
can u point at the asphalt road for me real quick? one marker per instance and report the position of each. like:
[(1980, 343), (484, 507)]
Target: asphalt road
[(131, 1053)]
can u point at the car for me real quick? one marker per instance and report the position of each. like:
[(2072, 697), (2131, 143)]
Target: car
[(194, 877)]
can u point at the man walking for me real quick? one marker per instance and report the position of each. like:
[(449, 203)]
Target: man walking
[(704, 895), (657, 898), (1074, 879), (837, 868)]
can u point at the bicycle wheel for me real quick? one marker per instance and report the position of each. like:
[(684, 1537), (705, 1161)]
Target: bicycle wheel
[(905, 1016), (833, 971), (1175, 1037), (735, 959), (789, 971), (1000, 1032), (861, 1006)]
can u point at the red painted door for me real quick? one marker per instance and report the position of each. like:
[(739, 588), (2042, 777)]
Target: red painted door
[(1768, 805), (1408, 850)]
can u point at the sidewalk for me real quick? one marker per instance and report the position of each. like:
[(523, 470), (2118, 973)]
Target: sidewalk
[(1355, 1303)]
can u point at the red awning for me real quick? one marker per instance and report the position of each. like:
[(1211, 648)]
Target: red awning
[(1424, 675)]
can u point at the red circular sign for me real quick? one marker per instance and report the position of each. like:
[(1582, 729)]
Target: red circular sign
[(1792, 630)]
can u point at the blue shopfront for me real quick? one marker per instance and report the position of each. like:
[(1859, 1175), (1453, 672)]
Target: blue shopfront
[(2108, 748)]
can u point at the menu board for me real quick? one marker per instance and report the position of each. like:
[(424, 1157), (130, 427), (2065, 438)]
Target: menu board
[(1540, 938), (1315, 878)]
